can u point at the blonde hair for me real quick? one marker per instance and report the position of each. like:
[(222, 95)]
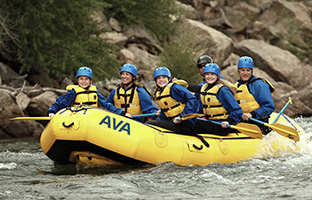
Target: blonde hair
[(229, 85)]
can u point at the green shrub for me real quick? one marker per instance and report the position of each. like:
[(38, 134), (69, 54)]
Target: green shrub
[(60, 36), (56, 36), (179, 57)]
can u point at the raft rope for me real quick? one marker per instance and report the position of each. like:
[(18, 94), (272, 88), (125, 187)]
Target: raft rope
[(78, 108)]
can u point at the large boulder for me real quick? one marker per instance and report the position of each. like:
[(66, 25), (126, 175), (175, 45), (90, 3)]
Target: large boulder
[(232, 17), (188, 10), (114, 38), (281, 96), (10, 78), (140, 35), (305, 95), (22, 100), (207, 40), (288, 21), (12, 128), (143, 59), (8, 107), (40, 104)]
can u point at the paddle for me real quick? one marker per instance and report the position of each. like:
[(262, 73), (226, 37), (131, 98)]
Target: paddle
[(31, 118), (245, 128), (145, 115), (281, 129), (281, 112)]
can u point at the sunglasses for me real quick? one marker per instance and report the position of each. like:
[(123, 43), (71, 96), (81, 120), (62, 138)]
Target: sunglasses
[(199, 66)]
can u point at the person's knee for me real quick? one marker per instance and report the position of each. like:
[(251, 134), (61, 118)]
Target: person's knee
[(152, 122)]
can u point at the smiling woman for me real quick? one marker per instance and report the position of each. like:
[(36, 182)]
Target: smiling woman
[(217, 103), (126, 78), (130, 96), (175, 101)]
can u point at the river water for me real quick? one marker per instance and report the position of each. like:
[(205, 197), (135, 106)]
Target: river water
[(26, 173)]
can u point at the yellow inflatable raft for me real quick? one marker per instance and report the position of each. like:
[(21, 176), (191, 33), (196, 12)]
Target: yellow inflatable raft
[(95, 137)]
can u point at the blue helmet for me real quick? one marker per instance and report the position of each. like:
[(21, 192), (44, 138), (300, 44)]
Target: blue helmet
[(245, 62), (162, 71), (129, 68), (84, 71), (212, 68)]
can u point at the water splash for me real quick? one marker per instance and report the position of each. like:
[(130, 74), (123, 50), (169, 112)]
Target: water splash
[(8, 165)]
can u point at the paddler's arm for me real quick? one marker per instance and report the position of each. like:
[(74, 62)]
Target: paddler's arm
[(110, 107), (62, 102), (194, 88)]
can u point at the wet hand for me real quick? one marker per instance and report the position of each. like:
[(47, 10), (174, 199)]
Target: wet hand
[(246, 116), (51, 115), (177, 120), (224, 124)]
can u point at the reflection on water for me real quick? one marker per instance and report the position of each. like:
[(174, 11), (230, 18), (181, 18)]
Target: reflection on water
[(26, 173)]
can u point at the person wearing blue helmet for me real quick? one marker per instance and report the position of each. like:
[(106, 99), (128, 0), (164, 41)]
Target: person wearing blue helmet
[(175, 101), (254, 94), (217, 102), (133, 98), (83, 93), (201, 63)]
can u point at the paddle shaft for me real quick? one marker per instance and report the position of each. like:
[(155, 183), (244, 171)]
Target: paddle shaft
[(31, 118), (247, 129), (281, 112), (145, 115), (251, 130)]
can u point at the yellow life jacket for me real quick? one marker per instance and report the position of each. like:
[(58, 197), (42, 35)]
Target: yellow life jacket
[(245, 99), (212, 107), (128, 101), (83, 96), (171, 107)]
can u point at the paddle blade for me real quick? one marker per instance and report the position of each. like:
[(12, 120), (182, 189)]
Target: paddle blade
[(31, 118), (249, 129), (285, 131)]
